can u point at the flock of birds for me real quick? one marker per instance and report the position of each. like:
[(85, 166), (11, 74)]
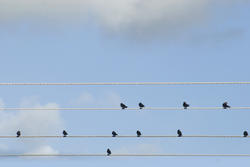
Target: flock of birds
[(185, 105), (138, 133)]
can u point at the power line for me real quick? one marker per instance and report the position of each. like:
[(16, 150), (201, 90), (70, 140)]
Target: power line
[(123, 83), (125, 155), (146, 108), (131, 136)]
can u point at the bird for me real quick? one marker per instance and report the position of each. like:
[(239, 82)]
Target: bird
[(179, 133), (141, 105), (114, 134), (245, 133), (225, 105), (108, 152), (138, 133), (18, 133), (65, 133), (185, 105), (123, 106)]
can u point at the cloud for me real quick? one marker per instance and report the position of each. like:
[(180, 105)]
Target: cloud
[(30, 123), (140, 149), (137, 16), (106, 99), (147, 14), (85, 98), (45, 149), (2, 103)]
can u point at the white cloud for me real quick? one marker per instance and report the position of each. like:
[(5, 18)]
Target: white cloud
[(145, 148), (30, 123), (84, 98), (45, 149), (3, 148), (1, 103), (136, 16), (106, 99)]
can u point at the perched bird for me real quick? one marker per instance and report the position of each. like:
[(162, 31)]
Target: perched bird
[(185, 105), (114, 134), (245, 133), (179, 133), (18, 133), (141, 105), (138, 133), (225, 105), (108, 152), (123, 106), (65, 133)]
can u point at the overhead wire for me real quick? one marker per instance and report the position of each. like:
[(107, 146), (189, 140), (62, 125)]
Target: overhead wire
[(131, 136), (111, 109), (125, 155), (123, 83), (146, 108)]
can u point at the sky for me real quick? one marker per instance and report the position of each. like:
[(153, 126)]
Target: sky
[(124, 41)]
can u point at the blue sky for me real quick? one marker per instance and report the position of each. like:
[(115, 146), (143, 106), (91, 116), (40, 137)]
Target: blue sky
[(198, 42)]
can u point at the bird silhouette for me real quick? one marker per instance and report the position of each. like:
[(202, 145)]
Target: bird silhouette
[(225, 105), (114, 134), (179, 133), (138, 133), (65, 134), (123, 106), (18, 133), (245, 133), (141, 105), (108, 152), (185, 105)]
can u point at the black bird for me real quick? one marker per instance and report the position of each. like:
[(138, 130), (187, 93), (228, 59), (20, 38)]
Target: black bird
[(114, 134), (225, 105), (108, 152), (65, 133), (245, 133), (185, 105), (18, 133), (123, 106), (138, 133), (141, 105), (179, 133)]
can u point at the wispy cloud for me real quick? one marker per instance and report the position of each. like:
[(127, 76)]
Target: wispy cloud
[(138, 16), (30, 123), (106, 99), (145, 148), (45, 149)]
